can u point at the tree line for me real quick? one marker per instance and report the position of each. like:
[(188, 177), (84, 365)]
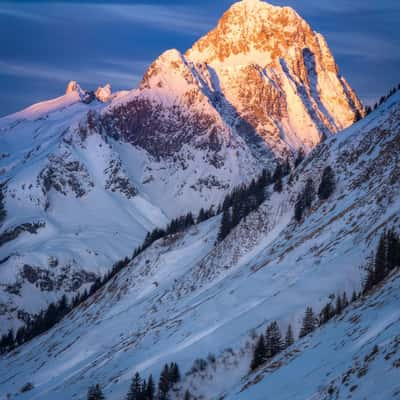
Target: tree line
[(247, 198), (244, 199), (387, 258), (46, 319), (306, 197), (270, 343), (142, 389), (240, 202), (56, 311), (382, 99), (3, 211), (179, 224)]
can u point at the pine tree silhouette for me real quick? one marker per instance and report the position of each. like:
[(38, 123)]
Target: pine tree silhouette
[(289, 338), (309, 322), (259, 354), (135, 389), (327, 185), (95, 393)]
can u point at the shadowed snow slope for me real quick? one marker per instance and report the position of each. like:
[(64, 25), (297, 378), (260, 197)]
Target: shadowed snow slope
[(185, 297)]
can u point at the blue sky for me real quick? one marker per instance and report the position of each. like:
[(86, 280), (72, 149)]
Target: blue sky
[(44, 44)]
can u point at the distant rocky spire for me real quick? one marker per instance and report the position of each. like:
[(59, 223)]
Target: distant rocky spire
[(72, 87), (103, 93)]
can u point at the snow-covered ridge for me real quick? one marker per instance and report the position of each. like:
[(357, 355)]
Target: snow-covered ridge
[(100, 169), (185, 297)]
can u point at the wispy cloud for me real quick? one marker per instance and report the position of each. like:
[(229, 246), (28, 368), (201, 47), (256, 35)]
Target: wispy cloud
[(94, 76), (168, 18), (15, 11), (361, 44), (317, 7)]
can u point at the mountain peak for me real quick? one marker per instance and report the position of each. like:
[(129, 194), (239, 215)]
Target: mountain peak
[(254, 28), (72, 86)]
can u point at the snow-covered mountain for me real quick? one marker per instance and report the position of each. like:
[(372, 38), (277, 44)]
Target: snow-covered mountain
[(278, 75), (186, 300), (85, 176)]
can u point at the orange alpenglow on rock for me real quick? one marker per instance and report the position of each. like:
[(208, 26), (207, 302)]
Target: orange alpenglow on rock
[(264, 65)]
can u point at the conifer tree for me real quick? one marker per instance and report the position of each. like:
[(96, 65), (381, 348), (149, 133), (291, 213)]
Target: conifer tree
[(187, 395), (386, 258), (273, 340), (357, 116), (189, 220), (327, 185), (143, 390), (308, 195), (226, 225), (135, 388), (278, 173), (304, 200), (259, 354), (265, 178), (326, 313), (380, 266), (95, 393), (151, 389), (353, 296), (21, 335), (339, 305), (259, 191), (308, 325), (289, 338), (370, 279), (10, 343), (393, 249), (174, 373), (164, 384), (345, 301), (299, 208), (238, 211), (202, 216), (286, 167), (278, 186)]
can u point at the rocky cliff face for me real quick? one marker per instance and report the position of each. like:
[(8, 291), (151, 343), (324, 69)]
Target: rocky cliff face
[(278, 74), (262, 74)]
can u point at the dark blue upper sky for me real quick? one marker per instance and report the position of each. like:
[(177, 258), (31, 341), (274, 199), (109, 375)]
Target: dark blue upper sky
[(44, 44)]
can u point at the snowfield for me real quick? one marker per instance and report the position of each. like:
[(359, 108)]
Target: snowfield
[(185, 297)]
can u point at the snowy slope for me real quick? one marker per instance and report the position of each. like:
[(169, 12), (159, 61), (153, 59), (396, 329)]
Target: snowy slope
[(184, 298), (87, 210), (339, 360), (86, 175)]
